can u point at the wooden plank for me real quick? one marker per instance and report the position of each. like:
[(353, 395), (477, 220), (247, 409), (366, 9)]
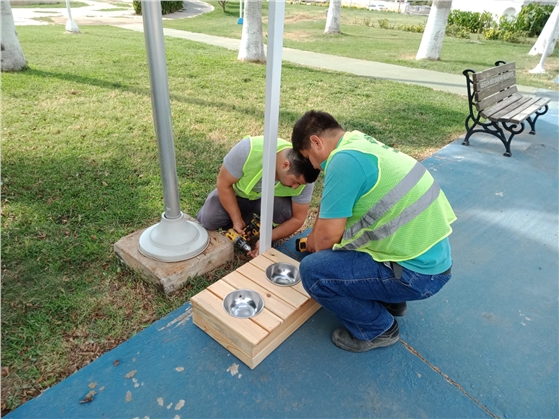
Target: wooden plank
[(503, 80), (273, 303), (287, 294), (279, 336), (491, 72), (273, 256), (242, 333), (485, 103), (497, 116), (265, 319), (488, 112), (485, 93), (527, 112), (528, 103), (200, 320)]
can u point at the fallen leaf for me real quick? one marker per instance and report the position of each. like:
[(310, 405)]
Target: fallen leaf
[(130, 374), (88, 397)]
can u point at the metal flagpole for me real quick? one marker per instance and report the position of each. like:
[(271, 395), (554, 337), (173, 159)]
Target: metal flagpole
[(276, 15), (174, 238)]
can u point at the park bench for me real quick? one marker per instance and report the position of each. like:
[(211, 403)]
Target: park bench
[(496, 105)]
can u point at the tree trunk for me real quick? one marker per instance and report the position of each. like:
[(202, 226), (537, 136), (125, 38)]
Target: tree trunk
[(252, 44), (432, 40), (333, 17), (550, 33), (12, 55)]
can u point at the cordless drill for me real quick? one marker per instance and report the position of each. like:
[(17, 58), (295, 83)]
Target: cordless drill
[(251, 230), (238, 240)]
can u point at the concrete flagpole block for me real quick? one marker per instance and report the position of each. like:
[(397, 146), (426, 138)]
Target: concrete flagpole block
[(170, 276)]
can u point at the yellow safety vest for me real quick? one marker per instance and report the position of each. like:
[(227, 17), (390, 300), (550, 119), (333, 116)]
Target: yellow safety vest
[(252, 172), (403, 215)]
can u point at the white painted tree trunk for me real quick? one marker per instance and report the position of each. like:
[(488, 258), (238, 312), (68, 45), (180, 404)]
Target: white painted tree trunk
[(550, 33), (11, 54), (252, 44), (333, 17), (432, 40)]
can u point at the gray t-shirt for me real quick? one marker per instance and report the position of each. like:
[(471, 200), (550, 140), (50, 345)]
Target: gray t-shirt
[(235, 160)]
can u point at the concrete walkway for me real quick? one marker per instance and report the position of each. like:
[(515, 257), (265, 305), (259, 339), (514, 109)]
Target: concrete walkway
[(486, 346)]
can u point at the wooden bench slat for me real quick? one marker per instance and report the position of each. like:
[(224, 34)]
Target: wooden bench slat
[(489, 111), (496, 116), (275, 304), (528, 111), (490, 101), (488, 92), (486, 74), (528, 102), (265, 319)]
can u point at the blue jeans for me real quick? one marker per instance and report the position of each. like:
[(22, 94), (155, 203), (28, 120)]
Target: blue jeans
[(352, 285)]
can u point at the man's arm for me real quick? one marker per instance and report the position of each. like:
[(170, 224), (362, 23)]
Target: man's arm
[(326, 233), (228, 198), (288, 227)]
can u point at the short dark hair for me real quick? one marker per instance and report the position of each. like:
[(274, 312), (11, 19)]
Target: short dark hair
[(311, 123), (301, 166)]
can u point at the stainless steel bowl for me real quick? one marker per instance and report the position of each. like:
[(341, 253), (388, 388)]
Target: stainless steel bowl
[(243, 304), (283, 274)]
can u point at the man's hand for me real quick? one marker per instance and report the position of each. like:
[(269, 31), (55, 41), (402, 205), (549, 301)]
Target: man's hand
[(239, 226), (255, 251)]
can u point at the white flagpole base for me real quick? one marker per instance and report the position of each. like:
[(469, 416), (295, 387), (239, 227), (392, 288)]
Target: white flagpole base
[(173, 240)]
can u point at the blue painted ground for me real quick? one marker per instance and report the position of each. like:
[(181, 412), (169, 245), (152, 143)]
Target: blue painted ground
[(485, 346)]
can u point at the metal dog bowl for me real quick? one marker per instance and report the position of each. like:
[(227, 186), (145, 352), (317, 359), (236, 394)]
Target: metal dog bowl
[(243, 304), (283, 274)]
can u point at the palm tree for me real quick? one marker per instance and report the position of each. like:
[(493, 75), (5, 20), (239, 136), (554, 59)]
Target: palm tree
[(333, 17), (549, 34), (432, 40), (252, 44), (12, 54)]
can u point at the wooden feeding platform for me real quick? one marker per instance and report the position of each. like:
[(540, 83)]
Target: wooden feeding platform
[(253, 339)]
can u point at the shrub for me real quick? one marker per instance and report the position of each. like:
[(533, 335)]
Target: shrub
[(166, 6), (457, 31), (474, 22), (532, 18), (412, 28)]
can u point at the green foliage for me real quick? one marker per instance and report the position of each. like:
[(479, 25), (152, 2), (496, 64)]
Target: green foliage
[(412, 28), (529, 23), (532, 18), (457, 31), (474, 22), (166, 6)]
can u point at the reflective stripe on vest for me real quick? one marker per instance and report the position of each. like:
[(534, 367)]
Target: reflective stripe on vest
[(390, 228), (388, 201)]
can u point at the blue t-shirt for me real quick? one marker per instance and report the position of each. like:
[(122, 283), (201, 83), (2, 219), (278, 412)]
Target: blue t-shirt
[(350, 175)]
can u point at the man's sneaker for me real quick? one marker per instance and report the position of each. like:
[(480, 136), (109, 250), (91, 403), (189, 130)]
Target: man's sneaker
[(396, 309), (343, 339)]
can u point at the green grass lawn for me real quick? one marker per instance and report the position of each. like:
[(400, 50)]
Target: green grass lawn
[(304, 27), (80, 170)]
